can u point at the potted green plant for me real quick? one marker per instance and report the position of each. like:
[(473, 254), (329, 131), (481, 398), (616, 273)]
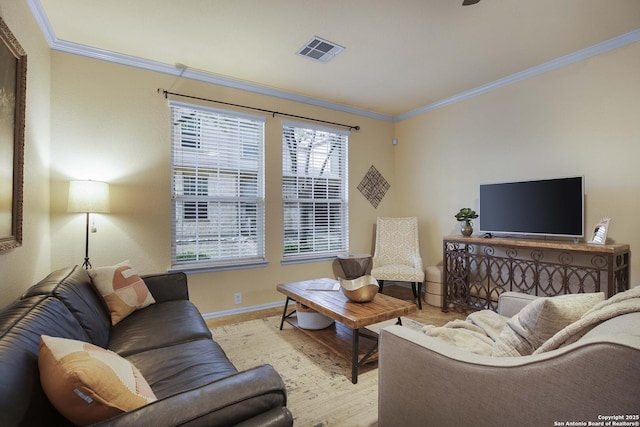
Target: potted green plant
[(465, 216)]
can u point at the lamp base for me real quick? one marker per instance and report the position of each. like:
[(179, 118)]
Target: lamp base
[(86, 264)]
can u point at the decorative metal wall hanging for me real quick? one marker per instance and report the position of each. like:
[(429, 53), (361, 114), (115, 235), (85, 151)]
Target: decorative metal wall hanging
[(373, 186)]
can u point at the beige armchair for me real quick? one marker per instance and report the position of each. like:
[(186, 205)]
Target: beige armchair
[(397, 254)]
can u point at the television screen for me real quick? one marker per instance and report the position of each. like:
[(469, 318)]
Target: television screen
[(550, 207)]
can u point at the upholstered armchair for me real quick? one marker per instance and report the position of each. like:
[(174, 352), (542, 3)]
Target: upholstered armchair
[(397, 254)]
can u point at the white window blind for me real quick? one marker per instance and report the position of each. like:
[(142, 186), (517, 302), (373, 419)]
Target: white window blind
[(314, 190), (217, 186)]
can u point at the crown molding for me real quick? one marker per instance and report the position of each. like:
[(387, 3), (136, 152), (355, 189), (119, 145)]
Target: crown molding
[(118, 58), (114, 57), (585, 53)]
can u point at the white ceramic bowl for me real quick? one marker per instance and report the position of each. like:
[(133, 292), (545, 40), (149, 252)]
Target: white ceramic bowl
[(311, 319), (362, 289)]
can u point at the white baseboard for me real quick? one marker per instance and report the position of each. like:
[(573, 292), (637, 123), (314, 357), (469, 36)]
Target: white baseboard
[(242, 310)]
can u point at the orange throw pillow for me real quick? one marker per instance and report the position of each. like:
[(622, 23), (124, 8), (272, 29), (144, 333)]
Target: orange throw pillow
[(122, 289), (88, 384)]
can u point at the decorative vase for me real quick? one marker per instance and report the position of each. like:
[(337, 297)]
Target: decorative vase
[(362, 289), (466, 228)]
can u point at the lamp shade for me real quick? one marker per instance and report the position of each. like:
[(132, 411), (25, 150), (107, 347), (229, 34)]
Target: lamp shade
[(88, 196)]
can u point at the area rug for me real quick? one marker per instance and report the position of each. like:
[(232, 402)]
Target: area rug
[(319, 389)]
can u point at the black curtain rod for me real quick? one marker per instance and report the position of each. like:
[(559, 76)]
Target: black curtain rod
[(166, 94)]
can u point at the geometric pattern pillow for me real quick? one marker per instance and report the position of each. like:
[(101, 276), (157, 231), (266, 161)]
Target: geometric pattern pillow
[(88, 384), (122, 289), (541, 319)]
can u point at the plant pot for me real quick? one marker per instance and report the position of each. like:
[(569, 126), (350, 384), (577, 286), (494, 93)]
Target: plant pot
[(466, 228)]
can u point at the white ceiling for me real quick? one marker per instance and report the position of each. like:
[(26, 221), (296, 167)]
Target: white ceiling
[(400, 55)]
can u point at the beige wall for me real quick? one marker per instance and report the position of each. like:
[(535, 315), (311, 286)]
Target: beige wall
[(93, 119), (109, 123), (581, 119), (27, 264)]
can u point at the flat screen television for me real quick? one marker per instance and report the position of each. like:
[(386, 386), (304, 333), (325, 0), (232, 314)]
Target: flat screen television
[(548, 207)]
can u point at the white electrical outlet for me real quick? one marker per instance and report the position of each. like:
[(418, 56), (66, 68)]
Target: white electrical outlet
[(238, 298)]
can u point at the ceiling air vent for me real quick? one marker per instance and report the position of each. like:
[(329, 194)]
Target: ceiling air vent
[(320, 50)]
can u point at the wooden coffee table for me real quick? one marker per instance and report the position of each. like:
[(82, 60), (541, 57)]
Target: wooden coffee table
[(352, 315)]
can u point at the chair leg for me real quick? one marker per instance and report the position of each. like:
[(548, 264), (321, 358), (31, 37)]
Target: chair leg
[(417, 293), (416, 287)]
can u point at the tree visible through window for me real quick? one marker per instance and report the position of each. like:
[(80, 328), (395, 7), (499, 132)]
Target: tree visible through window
[(314, 190), (217, 186)]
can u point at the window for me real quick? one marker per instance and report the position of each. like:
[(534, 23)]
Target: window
[(314, 191), (195, 187), (217, 187)]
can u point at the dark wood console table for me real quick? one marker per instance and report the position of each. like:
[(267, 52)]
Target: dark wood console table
[(477, 270)]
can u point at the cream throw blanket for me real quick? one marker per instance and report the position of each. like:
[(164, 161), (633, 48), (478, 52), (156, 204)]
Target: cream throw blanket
[(487, 333), (476, 334)]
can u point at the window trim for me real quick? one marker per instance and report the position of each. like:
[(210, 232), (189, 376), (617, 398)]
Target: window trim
[(195, 269)]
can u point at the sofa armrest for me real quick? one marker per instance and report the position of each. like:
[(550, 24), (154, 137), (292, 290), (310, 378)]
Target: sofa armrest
[(510, 303), (425, 381), (257, 392), (167, 286)]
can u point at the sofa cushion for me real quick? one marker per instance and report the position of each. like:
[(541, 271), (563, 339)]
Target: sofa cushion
[(73, 287), (88, 384), (510, 303), (22, 399), (122, 290), (167, 286), (173, 369), (158, 325), (540, 320)]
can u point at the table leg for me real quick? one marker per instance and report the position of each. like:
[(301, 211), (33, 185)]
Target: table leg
[(356, 362), (284, 312), (354, 357)]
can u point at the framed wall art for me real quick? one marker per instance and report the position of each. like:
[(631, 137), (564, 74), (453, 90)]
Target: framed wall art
[(13, 94)]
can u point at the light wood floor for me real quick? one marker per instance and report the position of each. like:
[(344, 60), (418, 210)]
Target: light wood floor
[(429, 315)]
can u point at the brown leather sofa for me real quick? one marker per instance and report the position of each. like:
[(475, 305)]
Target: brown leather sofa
[(169, 342)]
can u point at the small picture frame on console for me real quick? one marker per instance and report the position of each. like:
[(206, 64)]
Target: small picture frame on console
[(600, 231)]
